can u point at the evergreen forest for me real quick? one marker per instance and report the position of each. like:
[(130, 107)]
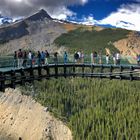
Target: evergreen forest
[(94, 109)]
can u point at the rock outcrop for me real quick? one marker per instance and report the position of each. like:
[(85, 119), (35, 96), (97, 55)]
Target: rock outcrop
[(23, 118)]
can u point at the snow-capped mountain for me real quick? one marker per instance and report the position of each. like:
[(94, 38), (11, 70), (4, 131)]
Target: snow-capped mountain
[(5, 20)]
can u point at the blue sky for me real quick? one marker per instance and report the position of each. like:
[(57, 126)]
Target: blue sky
[(116, 13)]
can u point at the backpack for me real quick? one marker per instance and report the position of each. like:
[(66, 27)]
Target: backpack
[(95, 54), (47, 54), (76, 56), (19, 54)]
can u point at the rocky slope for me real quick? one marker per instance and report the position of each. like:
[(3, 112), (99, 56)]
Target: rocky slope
[(21, 117), (129, 46)]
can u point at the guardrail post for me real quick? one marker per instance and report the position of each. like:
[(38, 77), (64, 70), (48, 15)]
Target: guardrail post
[(111, 69), (74, 70), (2, 82), (121, 69), (65, 71), (31, 74), (56, 70), (92, 69), (39, 72), (23, 77), (131, 71), (101, 71), (83, 70), (48, 71), (13, 79)]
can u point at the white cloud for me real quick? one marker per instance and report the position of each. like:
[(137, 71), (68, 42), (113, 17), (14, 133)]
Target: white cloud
[(88, 20), (62, 13), (15, 8), (127, 16)]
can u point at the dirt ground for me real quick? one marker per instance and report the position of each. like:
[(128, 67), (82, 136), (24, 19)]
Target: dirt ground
[(22, 118)]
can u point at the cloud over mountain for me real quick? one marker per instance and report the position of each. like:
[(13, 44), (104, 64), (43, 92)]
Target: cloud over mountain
[(16, 8), (127, 16)]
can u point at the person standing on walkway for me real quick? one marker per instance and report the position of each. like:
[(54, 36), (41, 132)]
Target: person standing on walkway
[(30, 58), (47, 57), (15, 59), (65, 57), (138, 59), (24, 59), (114, 58), (56, 57), (100, 56), (43, 57), (93, 57), (82, 56), (107, 59), (118, 58), (20, 58), (39, 58), (76, 57)]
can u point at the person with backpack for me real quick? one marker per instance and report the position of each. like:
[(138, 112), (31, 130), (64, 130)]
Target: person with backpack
[(76, 57), (93, 57)]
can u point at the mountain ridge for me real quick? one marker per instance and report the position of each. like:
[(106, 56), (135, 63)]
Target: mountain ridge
[(39, 32)]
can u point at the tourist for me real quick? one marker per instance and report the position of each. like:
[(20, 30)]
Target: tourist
[(20, 60), (82, 57), (38, 58), (30, 58), (79, 59), (24, 59), (76, 57), (100, 57), (47, 57), (43, 57), (93, 57), (107, 59), (33, 58), (65, 57), (15, 59), (114, 58), (56, 57), (138, 59), (118, 58)]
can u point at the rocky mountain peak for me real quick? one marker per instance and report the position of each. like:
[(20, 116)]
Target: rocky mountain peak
[(40, 15)]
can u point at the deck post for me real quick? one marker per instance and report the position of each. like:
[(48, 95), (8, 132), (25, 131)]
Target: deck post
[(74, 70), (131, 73), (65, 71), (13, 79), (23, 77), (2, 82), (110, 75), (83, 70), (101, 71), (56, 70), (31, 74), (121, 69), (92, 69), (48, 71), (39, 73)]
